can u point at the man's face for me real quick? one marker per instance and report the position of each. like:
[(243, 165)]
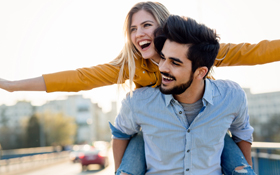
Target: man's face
[(175, 68)]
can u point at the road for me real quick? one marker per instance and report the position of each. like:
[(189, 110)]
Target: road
[(69, 168)]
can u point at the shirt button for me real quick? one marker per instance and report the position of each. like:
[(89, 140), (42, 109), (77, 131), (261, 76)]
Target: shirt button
[(143, 72), (144, 65), (180, 112), (188, 151), (151, 82), (187, 169), (189, 130)]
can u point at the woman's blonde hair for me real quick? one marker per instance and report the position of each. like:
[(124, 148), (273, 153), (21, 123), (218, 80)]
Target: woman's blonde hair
[(129, 52)]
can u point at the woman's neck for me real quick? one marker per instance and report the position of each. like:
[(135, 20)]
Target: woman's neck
[(156, 59)]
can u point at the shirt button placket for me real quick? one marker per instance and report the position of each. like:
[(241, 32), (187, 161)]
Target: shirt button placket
[(187, 153)]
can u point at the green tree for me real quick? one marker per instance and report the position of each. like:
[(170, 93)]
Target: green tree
[(59, 129), (6, 133), (33, 132), (3, 118)]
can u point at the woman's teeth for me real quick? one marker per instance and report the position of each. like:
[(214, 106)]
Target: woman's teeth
[(144, 44)]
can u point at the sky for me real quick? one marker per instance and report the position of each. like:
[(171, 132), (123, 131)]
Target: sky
[(46, 36)]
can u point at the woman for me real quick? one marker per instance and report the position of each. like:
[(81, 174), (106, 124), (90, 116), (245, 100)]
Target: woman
[(138, 63)]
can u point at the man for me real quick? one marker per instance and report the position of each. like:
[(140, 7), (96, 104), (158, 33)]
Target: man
[(184, 121)]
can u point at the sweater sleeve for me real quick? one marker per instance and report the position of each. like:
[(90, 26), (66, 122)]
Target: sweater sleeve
[(248, 54), (82, 78)]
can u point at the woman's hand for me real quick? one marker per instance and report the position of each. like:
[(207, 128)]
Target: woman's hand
[(4, 84), (32, 84)]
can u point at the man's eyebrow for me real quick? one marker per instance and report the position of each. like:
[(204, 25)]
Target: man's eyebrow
[(176, 59), (144, 22), (161, 54)]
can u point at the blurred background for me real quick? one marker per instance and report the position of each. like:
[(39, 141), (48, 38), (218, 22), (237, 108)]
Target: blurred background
[(46, 36)]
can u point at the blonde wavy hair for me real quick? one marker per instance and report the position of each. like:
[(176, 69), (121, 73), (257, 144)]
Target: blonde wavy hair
[(128, 54)]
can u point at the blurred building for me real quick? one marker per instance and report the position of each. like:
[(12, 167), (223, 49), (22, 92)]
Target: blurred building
[(262, 107), (13, 121), (92, 122), (13, 116)]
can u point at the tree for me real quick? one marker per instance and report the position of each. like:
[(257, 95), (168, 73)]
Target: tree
[(33, 132), (5, 132), (59, 129), (3, 118)]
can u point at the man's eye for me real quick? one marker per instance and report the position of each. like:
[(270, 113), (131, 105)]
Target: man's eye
[(173, 62), (162, 57)]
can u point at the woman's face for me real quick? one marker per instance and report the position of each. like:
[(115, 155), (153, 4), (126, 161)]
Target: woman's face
[(142, 28)]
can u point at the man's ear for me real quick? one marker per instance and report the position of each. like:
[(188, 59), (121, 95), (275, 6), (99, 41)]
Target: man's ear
[(201, 72)]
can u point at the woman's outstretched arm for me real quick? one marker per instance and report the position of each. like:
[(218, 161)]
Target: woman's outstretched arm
[(32, 84), (69, 81), (263, 52), (82, 79)]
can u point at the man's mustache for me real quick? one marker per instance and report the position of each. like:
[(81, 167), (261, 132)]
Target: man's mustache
[(168, 75)]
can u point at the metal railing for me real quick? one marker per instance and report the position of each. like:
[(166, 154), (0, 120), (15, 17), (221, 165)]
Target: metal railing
[(21, 164), (265, 163)]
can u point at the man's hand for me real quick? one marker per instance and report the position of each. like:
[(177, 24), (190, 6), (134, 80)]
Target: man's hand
[(119, 147), (245, 147)]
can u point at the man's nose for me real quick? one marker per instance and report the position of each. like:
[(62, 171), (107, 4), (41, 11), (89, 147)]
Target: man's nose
[(163, 66)]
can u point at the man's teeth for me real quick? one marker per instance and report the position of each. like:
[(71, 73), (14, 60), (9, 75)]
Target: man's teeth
[(167, 77), (144, 42)]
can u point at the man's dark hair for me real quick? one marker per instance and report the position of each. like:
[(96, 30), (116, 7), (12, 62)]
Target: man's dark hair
[(203, 41)]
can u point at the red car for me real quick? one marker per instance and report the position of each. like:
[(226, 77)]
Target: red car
[(93, 156)]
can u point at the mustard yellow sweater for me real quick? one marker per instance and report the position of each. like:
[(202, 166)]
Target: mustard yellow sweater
[(147, 73)]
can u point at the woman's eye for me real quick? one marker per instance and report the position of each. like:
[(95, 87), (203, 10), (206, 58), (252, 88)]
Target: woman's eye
[(146, 25), (132, 29)]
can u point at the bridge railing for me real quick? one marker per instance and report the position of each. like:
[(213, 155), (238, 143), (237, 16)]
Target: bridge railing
[(265, 163), (15, 165)]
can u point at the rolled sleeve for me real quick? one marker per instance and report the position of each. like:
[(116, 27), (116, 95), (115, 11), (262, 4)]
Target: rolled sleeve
[(125, 122), (240, 126), (117, 134)]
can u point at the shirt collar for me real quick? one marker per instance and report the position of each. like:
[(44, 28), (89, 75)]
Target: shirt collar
[(209, 93), (168, 99)]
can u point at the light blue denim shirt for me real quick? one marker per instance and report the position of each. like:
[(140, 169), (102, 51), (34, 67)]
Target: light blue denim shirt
[(171, 145)]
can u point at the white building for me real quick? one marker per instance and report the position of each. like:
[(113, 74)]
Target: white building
[(263, 106), (92, 122), (15, 114)]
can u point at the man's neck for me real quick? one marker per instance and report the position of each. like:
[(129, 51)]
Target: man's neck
[(192, 94)]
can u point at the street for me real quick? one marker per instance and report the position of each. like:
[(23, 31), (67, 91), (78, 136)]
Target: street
[(69, 168)]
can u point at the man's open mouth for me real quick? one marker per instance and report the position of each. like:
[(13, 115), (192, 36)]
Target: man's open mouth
[(167, 78)]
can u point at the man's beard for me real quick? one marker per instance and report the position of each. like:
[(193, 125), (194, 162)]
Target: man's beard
[(177, 89)]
